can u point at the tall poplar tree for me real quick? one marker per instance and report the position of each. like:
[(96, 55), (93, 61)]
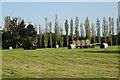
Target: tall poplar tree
[(111, 30), (46, 34), (76, 28), (66, 29), (71, 30), (56, 30), (82, 31), (112, 23), (87, 29), (50, 34), (93, 32), (98, 30), (40, 37), (105, 29), (61, 37)]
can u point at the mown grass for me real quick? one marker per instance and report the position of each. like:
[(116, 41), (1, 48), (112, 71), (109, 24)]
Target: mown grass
[(60, 63)]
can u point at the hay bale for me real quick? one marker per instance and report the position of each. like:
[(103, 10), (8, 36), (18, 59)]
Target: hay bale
[(78, 43), (71, 46), (56, 46), (87, 41), (10, 47), (103, 45), (82, 42), (74, 42)]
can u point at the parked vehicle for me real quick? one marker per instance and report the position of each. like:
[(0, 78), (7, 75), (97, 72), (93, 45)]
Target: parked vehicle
[(30, 45)]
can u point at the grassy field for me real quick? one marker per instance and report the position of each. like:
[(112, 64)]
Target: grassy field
[(61, 63)]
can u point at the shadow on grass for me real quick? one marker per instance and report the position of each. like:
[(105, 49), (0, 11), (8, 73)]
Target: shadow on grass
[(105, 52)]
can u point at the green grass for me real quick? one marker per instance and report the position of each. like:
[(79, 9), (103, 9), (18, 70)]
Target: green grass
[(61, 63)]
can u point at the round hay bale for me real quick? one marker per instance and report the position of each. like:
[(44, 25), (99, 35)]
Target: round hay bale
[(10, 47), (82, 42), (56, 46), (71, 46), (78, 43), (87, 41), (103, 45)]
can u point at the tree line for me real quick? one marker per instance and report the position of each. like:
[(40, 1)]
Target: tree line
[(16, 32)]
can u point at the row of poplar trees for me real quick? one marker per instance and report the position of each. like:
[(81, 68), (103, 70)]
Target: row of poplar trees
[(78, 31), (74, 30)]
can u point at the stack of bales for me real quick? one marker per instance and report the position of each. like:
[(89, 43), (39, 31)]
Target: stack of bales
[(82, 42), (78, 43), (103, 45), (87, 42), (72, 44)]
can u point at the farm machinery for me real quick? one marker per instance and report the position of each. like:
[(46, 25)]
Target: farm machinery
[(84, 44), (80, 44)]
